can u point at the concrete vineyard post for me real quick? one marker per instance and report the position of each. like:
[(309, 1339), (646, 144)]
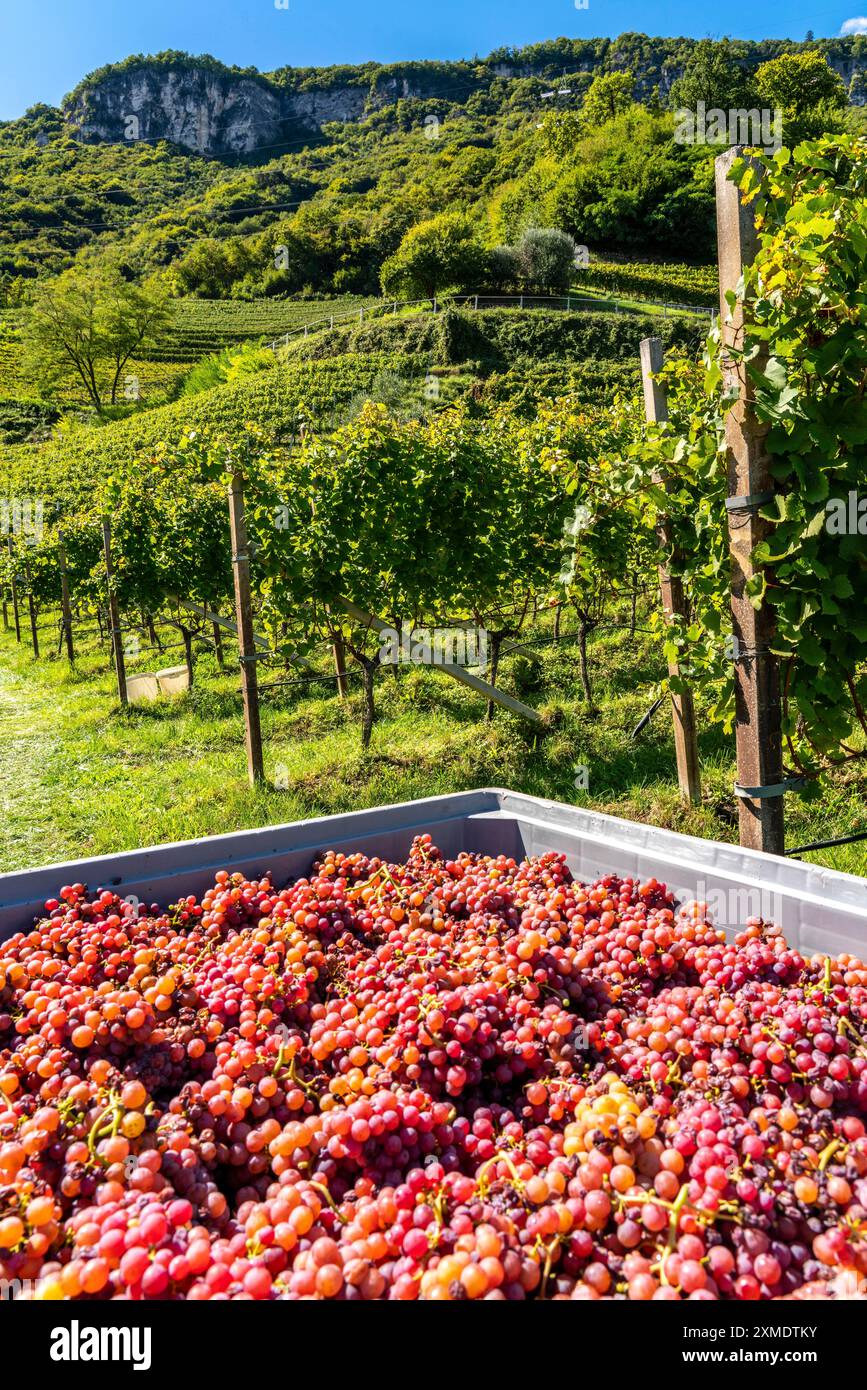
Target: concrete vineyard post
[(246, 639), (750, 485), (66, 609), (671, 591), (13, 583), (114, 615)]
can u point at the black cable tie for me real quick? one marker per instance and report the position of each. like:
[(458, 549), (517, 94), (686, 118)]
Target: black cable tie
[(790, 784), (750, 502), (750, 653), (248, 660)]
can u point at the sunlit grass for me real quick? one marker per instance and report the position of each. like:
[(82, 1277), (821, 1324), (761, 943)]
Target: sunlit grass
[(78, 776)]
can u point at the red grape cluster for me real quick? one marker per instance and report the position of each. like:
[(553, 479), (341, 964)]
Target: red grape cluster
[(442, 1079)]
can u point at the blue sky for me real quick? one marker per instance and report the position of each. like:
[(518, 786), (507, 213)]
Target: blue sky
[(47, 45)]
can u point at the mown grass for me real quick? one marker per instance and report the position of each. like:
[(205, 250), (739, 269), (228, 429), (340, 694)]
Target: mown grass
[(78, 776), (608, 300)]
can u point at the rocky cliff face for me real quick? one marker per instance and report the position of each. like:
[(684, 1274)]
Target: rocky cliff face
[(209, 112), (213, 112), (202, 106)]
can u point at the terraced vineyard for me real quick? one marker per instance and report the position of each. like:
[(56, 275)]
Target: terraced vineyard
[(199, 328), (669, 283), (203, 326)]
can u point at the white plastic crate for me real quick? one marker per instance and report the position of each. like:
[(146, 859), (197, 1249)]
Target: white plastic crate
[(819, 909)]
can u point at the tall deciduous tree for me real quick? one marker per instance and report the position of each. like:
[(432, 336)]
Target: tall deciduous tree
[(89, 322), (440, 254), (810, 95), (607, 96), (714, 75)]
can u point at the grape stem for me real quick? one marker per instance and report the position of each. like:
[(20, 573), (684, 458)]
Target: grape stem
[(320, 1187), (499, 1157), (828, 1153), (97, 1132)]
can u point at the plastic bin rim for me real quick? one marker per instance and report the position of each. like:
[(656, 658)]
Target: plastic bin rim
[(422, 813)]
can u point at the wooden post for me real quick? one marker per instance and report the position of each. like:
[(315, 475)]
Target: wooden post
[(5, 613), (339, 651), (246, 639), (671, 591), (750, 485), (14, 586), (31, 607), (66, 626), (114, 615), (187, 638), (218, 643)]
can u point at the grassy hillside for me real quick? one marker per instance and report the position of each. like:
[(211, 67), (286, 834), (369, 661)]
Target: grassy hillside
[(198, 328)]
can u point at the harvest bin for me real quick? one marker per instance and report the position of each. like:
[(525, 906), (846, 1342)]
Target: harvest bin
[(819, 909)]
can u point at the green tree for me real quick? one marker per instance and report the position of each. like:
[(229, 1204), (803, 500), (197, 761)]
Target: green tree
[(440, 254), (713, 75), (561, 131), (631, 186), (90, 321), (546, 257), (810, 95), (504, 267), (607, 96), (212, 266)]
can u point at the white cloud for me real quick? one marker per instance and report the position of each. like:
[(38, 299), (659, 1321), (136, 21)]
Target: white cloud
[(858, 25)]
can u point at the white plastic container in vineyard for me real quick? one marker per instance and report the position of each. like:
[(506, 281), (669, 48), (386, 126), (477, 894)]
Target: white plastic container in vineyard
[(173, 680), (820, 910), (143, 686)]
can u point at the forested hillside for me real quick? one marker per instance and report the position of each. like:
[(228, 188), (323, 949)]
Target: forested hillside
[(244, 184)]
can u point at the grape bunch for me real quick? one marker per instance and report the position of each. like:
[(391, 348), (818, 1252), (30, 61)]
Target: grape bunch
[(468, 1078)]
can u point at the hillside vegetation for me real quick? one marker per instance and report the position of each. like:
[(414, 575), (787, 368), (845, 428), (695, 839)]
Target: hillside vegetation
[(409, 141)]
